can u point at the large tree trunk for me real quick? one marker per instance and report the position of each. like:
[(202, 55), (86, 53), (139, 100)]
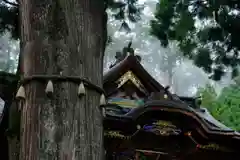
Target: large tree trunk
[(62, 37)]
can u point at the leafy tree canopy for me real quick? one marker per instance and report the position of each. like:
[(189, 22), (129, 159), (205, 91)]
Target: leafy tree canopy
[(206, 32), (9, 15), (226, 106), (122, 10)]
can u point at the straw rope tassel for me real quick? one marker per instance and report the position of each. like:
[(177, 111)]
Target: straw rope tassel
[(21, 94), (102, 100), (49, 87), (81, 89)]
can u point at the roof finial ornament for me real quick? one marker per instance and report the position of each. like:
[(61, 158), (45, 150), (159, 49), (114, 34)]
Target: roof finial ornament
[(130, 51), (126, 51), (119, 57)]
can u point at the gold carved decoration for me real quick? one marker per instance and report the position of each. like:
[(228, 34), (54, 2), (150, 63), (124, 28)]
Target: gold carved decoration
[(115, 134), (129, 76), (165, 128), (165, 124), (210, 146), (213, 146)]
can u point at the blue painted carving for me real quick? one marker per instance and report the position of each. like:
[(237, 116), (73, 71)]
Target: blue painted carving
[(161, 129), (121, 106)]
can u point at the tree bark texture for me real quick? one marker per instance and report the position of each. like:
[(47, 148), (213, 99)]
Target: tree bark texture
[(62, 37)]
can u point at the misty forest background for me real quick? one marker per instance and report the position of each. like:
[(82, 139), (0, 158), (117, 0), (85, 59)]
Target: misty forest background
[(190, 45)]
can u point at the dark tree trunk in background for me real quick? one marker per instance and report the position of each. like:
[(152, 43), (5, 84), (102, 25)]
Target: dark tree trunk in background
[(62, 36)]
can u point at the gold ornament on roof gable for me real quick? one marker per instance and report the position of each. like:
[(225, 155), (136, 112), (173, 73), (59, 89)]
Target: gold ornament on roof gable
[(129, 76)]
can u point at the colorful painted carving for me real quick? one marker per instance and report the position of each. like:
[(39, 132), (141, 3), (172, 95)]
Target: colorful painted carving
[(138, 154), (165, 123), (115, 134), (122, 106), (126, 103), (162, 128), (213, 146), (210, 146)]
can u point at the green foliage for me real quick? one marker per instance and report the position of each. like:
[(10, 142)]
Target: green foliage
[(206, 31), (226, 107), (9, 20), (123, 10)]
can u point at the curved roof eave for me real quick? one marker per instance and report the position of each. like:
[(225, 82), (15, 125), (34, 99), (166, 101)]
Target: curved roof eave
[(210, 119)]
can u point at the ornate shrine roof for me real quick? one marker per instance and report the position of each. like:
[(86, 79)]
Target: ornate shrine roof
[(190, 106)]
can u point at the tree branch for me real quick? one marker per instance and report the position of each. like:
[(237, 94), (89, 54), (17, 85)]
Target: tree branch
[(10, 3)]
